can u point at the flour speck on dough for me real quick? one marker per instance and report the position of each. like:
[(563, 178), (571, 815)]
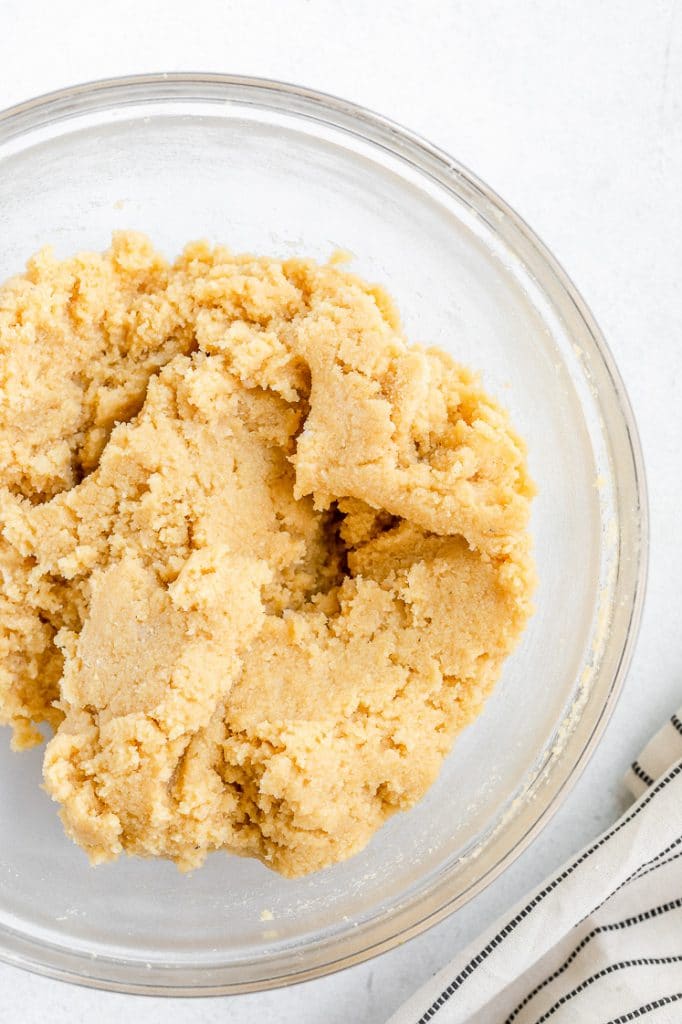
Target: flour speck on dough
[(260, 559)]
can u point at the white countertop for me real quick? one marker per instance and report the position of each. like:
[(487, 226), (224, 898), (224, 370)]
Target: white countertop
[(572, 111)]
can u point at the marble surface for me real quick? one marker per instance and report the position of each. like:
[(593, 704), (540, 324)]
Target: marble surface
[(572, 112)]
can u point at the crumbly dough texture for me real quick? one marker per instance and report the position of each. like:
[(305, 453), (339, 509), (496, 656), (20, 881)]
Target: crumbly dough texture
[(260, 559)]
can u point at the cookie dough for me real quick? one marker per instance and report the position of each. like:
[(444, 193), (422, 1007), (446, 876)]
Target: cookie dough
[(260, 560)]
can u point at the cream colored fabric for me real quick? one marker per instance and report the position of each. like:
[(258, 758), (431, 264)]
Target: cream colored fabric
[(600, 941)]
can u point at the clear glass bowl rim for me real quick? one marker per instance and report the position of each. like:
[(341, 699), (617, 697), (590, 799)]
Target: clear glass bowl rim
[(116, 93)]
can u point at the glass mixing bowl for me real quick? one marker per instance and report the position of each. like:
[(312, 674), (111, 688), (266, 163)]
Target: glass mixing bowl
[(281, 170)]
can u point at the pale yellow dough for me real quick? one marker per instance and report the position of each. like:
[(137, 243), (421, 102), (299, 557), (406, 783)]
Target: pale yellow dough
[(260, 559)]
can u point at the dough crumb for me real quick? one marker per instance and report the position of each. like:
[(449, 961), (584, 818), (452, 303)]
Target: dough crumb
[(260, 560)]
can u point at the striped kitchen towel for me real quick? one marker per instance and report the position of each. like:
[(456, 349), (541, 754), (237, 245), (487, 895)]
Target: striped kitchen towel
[(600, 942), (658, 755)]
